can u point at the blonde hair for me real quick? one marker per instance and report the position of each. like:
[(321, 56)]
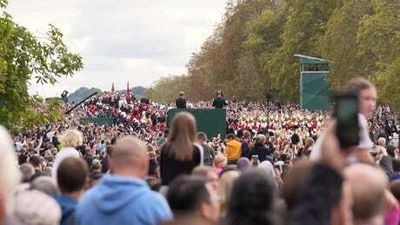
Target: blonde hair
[(71, 138), (225, 188), (309, 143), (182, 136), (381, 142), (220, 159), (10, 175)]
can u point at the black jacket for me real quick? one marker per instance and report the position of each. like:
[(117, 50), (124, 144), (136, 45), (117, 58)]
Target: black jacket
[(170, 167), (219, 103), (261, 151), (181, 103)]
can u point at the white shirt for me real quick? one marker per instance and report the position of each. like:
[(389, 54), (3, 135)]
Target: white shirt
[(64, 153), (365, 140)]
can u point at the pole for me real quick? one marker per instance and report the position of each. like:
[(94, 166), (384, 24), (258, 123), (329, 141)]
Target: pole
[(74, 107)]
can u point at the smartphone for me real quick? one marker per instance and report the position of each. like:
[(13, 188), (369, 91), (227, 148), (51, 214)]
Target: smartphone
[(346, 114)]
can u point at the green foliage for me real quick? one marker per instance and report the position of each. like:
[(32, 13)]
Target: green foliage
[(388, 82), (22, 57), (339, 43), (167, 88), (251, 51)]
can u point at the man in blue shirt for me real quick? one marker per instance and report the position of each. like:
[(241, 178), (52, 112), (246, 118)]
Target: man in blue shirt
[(123, 197), (71, 178)]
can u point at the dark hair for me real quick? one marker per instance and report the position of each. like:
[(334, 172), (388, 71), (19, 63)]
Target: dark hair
[(256, 206), (390, 150), (35, 160), (395, 189), (230, 136), (71, 174), (294, 181), (22, 158), (186, 193), (113, 140), (240, 134)]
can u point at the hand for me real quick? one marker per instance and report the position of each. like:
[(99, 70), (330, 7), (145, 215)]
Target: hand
[(331, 154)]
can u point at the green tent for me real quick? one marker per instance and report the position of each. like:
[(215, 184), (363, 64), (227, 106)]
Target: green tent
[(98, 120), (314, 87), (210, 121)]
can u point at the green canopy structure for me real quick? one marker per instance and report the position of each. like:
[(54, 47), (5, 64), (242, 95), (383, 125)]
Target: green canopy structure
[(314, 86)]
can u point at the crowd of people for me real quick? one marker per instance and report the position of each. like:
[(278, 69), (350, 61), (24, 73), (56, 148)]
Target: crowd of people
[(278, 164)]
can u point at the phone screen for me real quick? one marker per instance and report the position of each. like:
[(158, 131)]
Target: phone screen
[(346, 113)]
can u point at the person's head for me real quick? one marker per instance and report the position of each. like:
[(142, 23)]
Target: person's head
[(209, 173), (95, 166), (246, 135), (35, 161), (36, 208), (182, 136), (391, 150), (220, 160), (261, 139), (71, 138), (294, 181), (72, 174), (230, 137), (243, 164), (202, 137), (268, 168), (129, 157), (395, 189), (181, 94), (109, 149), (381, 142), (27, 171), (367, 95), (257, 205), (367, 184), (191, 196), (225, 187), (309, 143), (46, 185)]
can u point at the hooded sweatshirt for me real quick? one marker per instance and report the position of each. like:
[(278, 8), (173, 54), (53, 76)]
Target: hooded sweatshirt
[(122, 200), (67, 209)]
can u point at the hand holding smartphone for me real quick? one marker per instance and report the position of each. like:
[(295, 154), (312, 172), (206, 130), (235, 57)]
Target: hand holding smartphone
[(346, 114)]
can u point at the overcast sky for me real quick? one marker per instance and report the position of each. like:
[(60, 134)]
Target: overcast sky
[(122, 40)]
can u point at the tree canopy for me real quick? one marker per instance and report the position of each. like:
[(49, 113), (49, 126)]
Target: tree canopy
[(24, 57), (251, 51)]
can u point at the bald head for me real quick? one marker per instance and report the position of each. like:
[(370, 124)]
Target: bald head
[(367, 185), (129, 154)]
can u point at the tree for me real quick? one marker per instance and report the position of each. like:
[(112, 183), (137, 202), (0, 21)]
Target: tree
[(339, 43), (22, 57), (305, 25), (251, 52), (167, 88)]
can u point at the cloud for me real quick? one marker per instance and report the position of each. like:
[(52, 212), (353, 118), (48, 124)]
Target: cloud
[(135, 40)]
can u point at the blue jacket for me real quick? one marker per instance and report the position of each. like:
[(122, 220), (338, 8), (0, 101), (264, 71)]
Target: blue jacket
[(122, 200), (67, 206)]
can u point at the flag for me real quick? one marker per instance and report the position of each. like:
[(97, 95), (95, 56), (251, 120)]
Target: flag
[(112, 88), (127, 89), (128, 93)]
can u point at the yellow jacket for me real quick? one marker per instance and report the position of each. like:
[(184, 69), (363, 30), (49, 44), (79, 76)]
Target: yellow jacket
[(233, 150)]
